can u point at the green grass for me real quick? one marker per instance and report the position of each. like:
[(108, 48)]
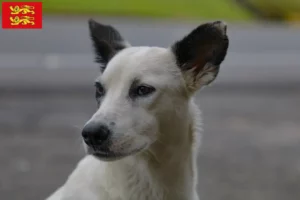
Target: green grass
[(224, 9), (283, 8)]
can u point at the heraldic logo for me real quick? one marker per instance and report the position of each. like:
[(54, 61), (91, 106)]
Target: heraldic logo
[(22, 15)]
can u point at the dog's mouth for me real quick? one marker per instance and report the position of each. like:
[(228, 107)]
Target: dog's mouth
[(107, 155)]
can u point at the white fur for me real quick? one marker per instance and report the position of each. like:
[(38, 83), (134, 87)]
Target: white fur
[(166, 125)]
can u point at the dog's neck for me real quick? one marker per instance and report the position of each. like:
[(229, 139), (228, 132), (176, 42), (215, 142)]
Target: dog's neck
[(167, 167)]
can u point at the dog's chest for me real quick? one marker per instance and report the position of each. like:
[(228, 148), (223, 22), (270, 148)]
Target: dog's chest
[(131, 184), (137, 183)]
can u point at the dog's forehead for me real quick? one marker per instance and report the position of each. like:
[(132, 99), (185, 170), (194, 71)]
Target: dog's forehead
[(139, 62)]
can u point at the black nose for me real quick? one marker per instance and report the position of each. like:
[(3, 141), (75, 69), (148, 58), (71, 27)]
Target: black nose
[(95, 134)]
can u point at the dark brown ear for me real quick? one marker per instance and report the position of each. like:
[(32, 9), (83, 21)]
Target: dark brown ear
[(200, 54), (107, 41)]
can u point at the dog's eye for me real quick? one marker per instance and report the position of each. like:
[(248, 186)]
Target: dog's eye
[(144, 90), (99, 90)]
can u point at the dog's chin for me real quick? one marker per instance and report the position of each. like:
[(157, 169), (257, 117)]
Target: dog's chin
[(113, 156)]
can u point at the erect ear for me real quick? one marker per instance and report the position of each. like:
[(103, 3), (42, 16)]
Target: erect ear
[(200, 54), (107, 41)]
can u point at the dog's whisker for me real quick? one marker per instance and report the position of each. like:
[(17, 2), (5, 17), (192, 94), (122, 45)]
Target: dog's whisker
[(77, 126)]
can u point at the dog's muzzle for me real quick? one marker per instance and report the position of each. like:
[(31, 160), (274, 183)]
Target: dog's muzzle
[(99, 140)]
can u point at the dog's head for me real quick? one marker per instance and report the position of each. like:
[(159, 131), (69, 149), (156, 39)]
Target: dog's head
[(139, 86)]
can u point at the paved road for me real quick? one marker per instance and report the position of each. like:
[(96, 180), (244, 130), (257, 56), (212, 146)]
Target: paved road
[(264, 53), (70, 35)]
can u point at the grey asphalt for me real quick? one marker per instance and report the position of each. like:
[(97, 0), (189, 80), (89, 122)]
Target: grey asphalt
[(251, 144), (69, 35), (261, 52)]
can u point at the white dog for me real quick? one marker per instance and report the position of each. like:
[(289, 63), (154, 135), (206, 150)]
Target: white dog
[(143, 140)]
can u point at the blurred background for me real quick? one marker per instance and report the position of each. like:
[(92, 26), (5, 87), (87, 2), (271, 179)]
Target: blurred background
[(251, 143)]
